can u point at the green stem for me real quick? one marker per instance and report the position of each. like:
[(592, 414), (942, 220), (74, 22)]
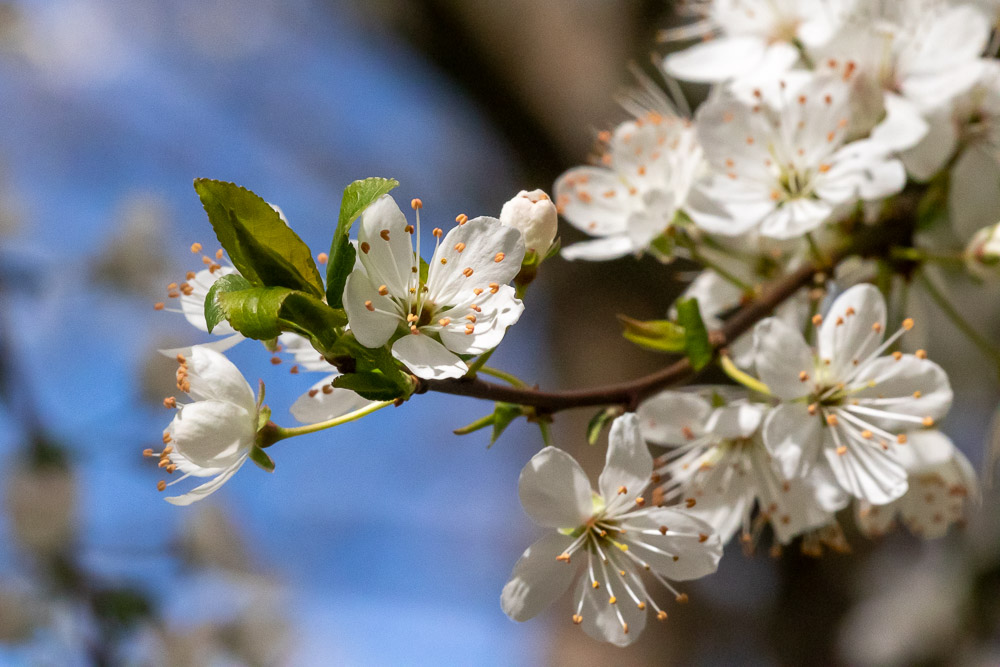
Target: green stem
[(741, 377), (697, 256), (963, 325), (503, 375), (291, 432), (816, 251), (921, 255), (479, 363)]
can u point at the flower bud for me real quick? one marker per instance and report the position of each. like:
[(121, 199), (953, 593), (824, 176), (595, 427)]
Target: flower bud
[(534, 215), (982, 255)]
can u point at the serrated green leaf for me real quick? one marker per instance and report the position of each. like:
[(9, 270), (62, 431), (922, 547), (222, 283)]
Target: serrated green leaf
[(214, 313), (598, 422), (358, 196), (260, 457), (503, 415), (373, 385), (253, 312), (696, 344), (655, 335), (261, 246)]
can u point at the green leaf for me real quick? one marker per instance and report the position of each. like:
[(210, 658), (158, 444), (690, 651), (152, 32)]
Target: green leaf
[(306, 315), (373, 385), (696, 344), (253, 312), (358, 196), (655, 335), (598, 422), (503, 415), (214, 313), (264, 312), (263, 416), (261, 246), (260, 457), (343, 255)]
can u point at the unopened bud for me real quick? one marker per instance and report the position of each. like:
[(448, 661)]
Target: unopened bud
[(982, 255), (534, 215)]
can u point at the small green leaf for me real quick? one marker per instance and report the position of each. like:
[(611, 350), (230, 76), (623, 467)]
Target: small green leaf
[(261, 246), (263, 416), (480, 423), (373, 385), (305, 314), (260, 457), (663, 245), (655, 335), (214, 313), (503, 415), (358, 196), (598, 422), (696, 344), (553, 249)]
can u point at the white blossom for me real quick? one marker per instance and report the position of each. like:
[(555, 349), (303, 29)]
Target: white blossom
[(941, 481), (718, 464), (462, 308), (910, 58), (610, 534), (982, 255), (783, 164), (645, 177), (751, 39), (212, 436), (534, 215), (844, 405)]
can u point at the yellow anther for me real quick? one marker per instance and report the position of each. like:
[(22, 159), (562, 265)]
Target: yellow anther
[(577, 619), (690, 502), (612, 600), (897, 355), (640, 501), (661, 615), (595, 585), (161, 485), (438, 232), (467, 272), (866, 434), (322, 258), (369, 306), (877, 328), (901, 438), (563, 557), (195, 248), (682, 598), (803, 376), (170, 402), (365, 247), (908, 323), (841, 450), (831, 420), (409, 229), (461, 219), (641, 605), (219, 253), (383, 290), (444, 260), (147, 453), (817, 319), (494, 288), (928, 422), (416, 203), (159, 305), (459, 247), (444, 321), (920, 354), (477, 291), (622, 490), (498, 257), (702, 537), (663, 530), (850, 311)]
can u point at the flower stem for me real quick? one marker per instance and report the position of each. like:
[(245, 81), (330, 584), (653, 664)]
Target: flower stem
[(741, 377), (725, 274), (479, 363), (293, 431), (985, 346), (503, 375), (921, 255), (818, 255)]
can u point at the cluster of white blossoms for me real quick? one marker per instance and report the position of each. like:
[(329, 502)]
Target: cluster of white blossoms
[(843, 143)]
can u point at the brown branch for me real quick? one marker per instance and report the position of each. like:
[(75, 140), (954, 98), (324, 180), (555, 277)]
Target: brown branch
[(629, 394), (896, 228)]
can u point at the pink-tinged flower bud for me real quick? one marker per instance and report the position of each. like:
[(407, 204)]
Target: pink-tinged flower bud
[(982, 255), (534, 215)]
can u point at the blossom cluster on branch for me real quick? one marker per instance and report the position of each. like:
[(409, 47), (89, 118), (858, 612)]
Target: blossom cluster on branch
[(846, 153)]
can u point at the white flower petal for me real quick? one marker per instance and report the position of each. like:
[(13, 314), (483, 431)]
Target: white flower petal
[(795, 218), (213, 376), (554, 490), (906, 379), (793, 437), (847, 339), (389, 258), (598, 250), (689, 550), (372, 327), (538, 578), (212, 434), (629, 463), (781, 355), (866, 470), (724, 507), (925, 450), (736, 421), (325, 404), (427, 358), (208, 488), (601, 619), (498, 312), (673, 417), (928, 157), (491, 252), (903, 126), (717, 60), (580, 197), (220, 346)]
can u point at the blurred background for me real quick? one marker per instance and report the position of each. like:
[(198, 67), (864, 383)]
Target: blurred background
[(385, 542)]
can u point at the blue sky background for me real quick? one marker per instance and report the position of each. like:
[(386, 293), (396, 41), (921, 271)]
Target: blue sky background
[(393, 536)]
